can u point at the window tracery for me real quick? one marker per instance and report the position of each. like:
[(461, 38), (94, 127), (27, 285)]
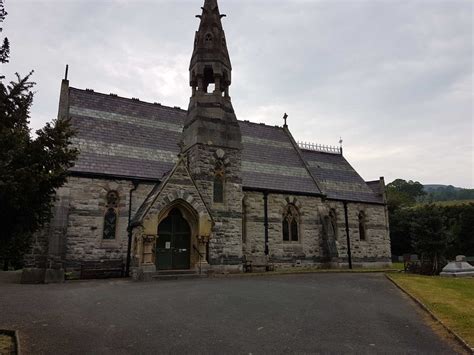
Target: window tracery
[(111, 216), (290, 224)]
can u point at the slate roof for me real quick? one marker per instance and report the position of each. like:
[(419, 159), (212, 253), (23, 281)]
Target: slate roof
[(338, 179), (128, 138)]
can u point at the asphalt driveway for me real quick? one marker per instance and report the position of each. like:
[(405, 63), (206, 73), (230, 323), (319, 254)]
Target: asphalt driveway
[(312, 313)]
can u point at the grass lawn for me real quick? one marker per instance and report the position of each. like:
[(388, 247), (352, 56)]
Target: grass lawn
[(6, 344), (450, 299)]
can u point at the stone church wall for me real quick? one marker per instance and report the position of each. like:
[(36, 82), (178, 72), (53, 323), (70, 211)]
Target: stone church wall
[(307, 250), (376, 247), (75, 233), (225, 245)]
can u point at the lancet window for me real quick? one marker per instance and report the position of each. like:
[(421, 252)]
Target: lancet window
[(290, 224), (332, 225), (219, 177), (362, 228), (111, 215)]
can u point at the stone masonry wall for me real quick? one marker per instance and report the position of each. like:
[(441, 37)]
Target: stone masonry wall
[(309, 249), (79, 237), (376, 247), (306, 250), (225, 245)]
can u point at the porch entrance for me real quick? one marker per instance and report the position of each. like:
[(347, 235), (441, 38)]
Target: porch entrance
[(173, 247)]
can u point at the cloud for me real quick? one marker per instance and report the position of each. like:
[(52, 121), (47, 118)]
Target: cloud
[(393, 78)]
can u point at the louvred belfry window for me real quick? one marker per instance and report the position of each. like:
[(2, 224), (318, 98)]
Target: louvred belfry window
[(111, 216), (290, 224)]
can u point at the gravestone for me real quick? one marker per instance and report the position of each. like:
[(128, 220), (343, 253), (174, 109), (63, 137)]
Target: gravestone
[(458, 268)]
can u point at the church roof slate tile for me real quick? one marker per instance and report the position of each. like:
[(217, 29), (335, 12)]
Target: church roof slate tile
[(338, 178), (129, 138)]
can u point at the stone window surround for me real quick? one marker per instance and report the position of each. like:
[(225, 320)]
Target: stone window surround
[(297, 219), (112, 198)]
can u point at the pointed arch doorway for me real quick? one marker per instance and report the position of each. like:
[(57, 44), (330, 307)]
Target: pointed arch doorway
[(173, 247)]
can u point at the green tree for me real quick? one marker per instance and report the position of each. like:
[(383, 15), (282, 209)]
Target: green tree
[(30, 168), (5, 47), (400, 232), (430, 235), (402, 193)]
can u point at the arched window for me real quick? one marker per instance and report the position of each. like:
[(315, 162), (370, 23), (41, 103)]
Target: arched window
[(362, 232), (208, 38), (111, 216), (218, 189), (332, 224), (290, 224)]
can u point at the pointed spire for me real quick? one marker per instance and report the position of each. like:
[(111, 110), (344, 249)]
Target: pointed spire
[(210, 4), (210, 73), (210, 62)]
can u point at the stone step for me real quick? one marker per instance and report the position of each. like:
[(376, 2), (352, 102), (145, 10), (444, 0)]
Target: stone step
[(177, 277), (176, 272)]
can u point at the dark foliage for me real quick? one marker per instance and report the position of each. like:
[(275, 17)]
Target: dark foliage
[(30, 168), (430, 235), (5, 47), (447, 193), (434, 232)]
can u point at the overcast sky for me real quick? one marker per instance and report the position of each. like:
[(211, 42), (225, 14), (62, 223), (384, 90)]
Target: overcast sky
[(393, 78)]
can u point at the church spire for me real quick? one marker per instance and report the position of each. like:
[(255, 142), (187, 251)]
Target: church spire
[(211, 120), (210, 62)]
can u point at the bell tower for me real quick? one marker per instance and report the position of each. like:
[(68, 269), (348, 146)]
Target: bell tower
[(211, 118), (212, 139)]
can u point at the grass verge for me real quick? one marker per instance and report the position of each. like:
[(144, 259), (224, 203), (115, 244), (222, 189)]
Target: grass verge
[(7, 343), (451, 300)]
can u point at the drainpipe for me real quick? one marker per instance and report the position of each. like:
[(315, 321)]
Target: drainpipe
[(129, 229), (349, 254), (265, 219)]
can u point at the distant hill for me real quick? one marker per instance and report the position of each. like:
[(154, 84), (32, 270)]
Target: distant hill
[(431, 187), (446, 193)]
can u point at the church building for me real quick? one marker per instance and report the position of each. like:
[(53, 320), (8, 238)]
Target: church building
[(161, 188)]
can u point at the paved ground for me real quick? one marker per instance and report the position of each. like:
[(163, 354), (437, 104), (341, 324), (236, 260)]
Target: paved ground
[(326, 313)]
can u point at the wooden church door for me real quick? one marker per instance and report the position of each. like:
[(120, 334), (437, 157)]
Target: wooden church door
[(174, 240)]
